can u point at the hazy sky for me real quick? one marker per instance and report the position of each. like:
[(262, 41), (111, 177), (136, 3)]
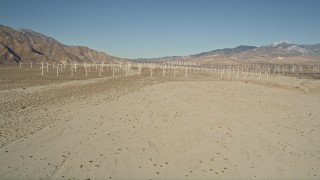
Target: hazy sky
[(155, 28)]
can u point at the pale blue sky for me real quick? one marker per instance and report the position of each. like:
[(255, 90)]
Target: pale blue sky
[(155, 28)]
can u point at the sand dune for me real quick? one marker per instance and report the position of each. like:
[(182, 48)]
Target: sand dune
[(176, 130)]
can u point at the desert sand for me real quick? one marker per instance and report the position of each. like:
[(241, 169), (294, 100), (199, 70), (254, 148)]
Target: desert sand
[(153, 128)]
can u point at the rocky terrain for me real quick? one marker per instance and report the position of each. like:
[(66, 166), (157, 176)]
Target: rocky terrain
[(24, 45)]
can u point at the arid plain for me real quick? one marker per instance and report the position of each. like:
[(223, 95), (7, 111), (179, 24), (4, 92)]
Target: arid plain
[(160, 127)]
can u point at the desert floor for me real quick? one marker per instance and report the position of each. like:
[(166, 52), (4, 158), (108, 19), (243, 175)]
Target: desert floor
[(158, 128)]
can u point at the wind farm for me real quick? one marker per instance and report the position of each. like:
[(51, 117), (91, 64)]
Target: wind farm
[(156, 90)]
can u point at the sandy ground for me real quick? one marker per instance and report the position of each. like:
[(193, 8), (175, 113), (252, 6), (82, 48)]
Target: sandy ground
[(153, 129)]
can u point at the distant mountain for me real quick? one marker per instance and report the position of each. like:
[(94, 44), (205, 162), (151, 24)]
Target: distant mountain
[(163, 59), (226, 51), (27, 45), (282, 52), (286, 48)]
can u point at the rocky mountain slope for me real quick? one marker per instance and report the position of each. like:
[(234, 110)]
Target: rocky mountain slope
[(26, 45)]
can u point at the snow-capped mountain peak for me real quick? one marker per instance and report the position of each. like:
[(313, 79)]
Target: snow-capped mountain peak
[(281, 43)]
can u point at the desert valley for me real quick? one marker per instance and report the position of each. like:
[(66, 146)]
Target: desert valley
[(70, 112)]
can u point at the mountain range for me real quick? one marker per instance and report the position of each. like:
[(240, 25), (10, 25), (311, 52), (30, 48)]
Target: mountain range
[(18, 45), (23, 45), (282, 52)]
